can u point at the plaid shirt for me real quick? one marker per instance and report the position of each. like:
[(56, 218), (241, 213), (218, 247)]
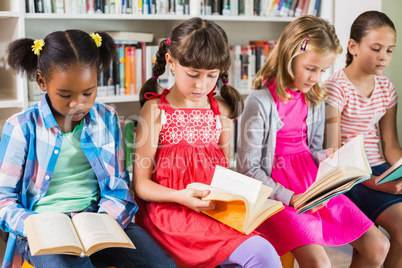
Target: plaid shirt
[(29, 148)]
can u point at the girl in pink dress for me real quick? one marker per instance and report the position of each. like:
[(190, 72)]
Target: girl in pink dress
[(183, 134), (280, 144)]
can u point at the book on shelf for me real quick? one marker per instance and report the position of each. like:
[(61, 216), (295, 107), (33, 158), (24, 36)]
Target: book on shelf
[(292, 8), (241, 202), (130, 126), (83, 235), (130, 69), (348, 167), (30, 6), (391, 174), (131, 36), (299, 8), (58, 6)]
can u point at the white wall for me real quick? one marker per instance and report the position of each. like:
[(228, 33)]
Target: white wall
[(393, 9), (345, 12)]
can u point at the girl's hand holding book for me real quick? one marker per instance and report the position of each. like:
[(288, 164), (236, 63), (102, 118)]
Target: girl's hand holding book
[(191, 198), (391, 187)]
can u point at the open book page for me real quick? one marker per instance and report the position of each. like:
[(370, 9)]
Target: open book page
[(263, 195), (352, 154), (237, 183), (268, 208), (98, 231), (328, 195), (391, 174), (52, 230)]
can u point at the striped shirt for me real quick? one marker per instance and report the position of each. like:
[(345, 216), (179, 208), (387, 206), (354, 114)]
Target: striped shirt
[(29, 148), (359, 113)]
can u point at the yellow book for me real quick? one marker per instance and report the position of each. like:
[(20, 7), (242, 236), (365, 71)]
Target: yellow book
[(337, 175), (241, 202), (83, 235)]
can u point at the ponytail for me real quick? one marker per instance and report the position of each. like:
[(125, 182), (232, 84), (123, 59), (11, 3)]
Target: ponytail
[(231, 96), (151, 85), (21, 58)]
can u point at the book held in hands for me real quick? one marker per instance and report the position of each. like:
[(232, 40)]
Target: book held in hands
[(391, 174), (348, 167), (83, 235), (241, 202)]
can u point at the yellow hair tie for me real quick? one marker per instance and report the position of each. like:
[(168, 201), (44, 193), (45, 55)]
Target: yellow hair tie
[(97, 38), (37, 46)]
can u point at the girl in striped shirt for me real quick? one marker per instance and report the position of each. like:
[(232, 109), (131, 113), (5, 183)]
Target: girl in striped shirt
[(360, 100)]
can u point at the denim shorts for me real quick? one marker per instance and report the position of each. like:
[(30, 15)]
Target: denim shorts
[(370, 201)]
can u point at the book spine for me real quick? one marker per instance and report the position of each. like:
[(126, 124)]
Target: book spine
[(234, 7), (67, 6), (121, 69), (215, 7), (90, 6), (299, 8), (30, 6), (109, 80), (116, 71), (305, 7), (123, 6), (179, 7), (293, 8), (140, 7), (130, 133), (98, 7), (138, 69), (112, 6), (118, 5), (311, 7), (316, 7), (38, 6), (226, 8), (130, 70), (143, 63)]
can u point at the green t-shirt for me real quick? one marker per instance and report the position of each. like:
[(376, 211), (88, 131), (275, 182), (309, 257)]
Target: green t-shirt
[(73, 186)]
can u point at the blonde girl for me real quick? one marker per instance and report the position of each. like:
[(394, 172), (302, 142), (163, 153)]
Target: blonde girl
[(281, 144)]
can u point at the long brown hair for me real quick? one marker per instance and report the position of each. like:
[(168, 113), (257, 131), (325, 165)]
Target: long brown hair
[(322, 40), (199, 44)]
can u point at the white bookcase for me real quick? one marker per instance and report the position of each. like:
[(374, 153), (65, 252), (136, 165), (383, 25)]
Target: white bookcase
[(15, 23)]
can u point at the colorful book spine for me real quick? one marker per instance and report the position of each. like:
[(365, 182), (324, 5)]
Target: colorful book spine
[(122, 85), (129, 70)]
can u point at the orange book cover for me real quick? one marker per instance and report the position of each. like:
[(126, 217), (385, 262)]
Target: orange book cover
[(130, 70), (241, 202)]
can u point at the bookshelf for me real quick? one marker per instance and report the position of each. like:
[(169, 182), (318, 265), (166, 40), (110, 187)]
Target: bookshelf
[(16, 23)]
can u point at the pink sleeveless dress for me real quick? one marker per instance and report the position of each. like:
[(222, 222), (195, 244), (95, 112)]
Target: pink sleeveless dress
[(188, 152), (339, 222)]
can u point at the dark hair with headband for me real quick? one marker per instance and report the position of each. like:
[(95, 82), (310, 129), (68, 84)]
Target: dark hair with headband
[(199, 44), (363, 24), (59, 50)]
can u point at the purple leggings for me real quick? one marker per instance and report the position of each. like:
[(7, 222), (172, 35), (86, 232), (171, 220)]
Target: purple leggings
[(254, 252)]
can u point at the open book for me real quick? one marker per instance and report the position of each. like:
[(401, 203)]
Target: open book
[(391, 174), (337, 175), (86, 233), (241, 202)]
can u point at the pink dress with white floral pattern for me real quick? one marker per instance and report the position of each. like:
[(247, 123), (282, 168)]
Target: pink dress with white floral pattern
[(188, 152)]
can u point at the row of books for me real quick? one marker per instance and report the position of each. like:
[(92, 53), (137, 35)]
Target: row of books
[(288, 8), (247, 60), (270, 8), (135, 60)]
